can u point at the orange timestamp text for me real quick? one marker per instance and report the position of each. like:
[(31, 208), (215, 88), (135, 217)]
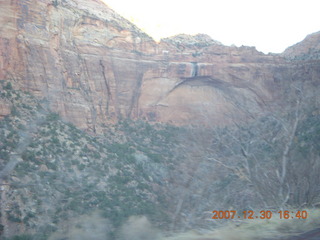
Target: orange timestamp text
[(264, 214)]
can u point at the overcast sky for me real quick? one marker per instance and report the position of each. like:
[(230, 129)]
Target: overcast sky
[(270, 25)]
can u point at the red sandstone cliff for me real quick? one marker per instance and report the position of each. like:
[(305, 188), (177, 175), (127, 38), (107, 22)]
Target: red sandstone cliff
[(95, 67)]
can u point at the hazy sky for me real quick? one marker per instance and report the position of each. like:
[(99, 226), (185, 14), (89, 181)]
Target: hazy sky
[(270, 25)]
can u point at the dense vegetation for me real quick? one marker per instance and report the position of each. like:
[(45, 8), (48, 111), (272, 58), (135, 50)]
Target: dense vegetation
[(55, 176), (65, 172)]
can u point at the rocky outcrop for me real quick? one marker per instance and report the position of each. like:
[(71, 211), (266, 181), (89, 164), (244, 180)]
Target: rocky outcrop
[(5, 109), (95, 67), (309, 48), (5, 105)]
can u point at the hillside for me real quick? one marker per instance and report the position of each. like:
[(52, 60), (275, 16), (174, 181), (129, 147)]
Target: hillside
[(55, 177)]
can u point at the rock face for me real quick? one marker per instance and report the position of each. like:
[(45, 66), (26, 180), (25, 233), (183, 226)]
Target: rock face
[(310, 47), (95, 67), (4, 109)]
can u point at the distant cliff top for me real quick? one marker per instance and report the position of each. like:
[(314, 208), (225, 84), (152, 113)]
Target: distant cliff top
[(199, 40), (101, 10)]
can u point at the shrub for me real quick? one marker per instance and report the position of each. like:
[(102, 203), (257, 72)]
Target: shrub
[(53, 117), (8, 86), (22, 237)]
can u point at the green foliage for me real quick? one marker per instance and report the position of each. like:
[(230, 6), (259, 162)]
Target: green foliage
[(8, 86), (53, 117), (77, 172), (15, 111), (22, 237), (29, 156), (52, 166), (55, 3), (155, 157), (81, 167), (13, 218)]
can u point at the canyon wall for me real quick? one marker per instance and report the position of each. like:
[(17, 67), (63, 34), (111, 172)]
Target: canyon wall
[(94, 67)]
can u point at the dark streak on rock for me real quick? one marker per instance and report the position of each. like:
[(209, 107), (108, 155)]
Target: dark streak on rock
[(107, 85)]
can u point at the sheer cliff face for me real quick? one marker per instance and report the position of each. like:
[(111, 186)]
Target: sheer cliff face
[(95, 67)]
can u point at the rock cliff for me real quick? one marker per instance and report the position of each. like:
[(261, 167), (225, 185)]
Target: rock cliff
[(309, 47), (95, 67)]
